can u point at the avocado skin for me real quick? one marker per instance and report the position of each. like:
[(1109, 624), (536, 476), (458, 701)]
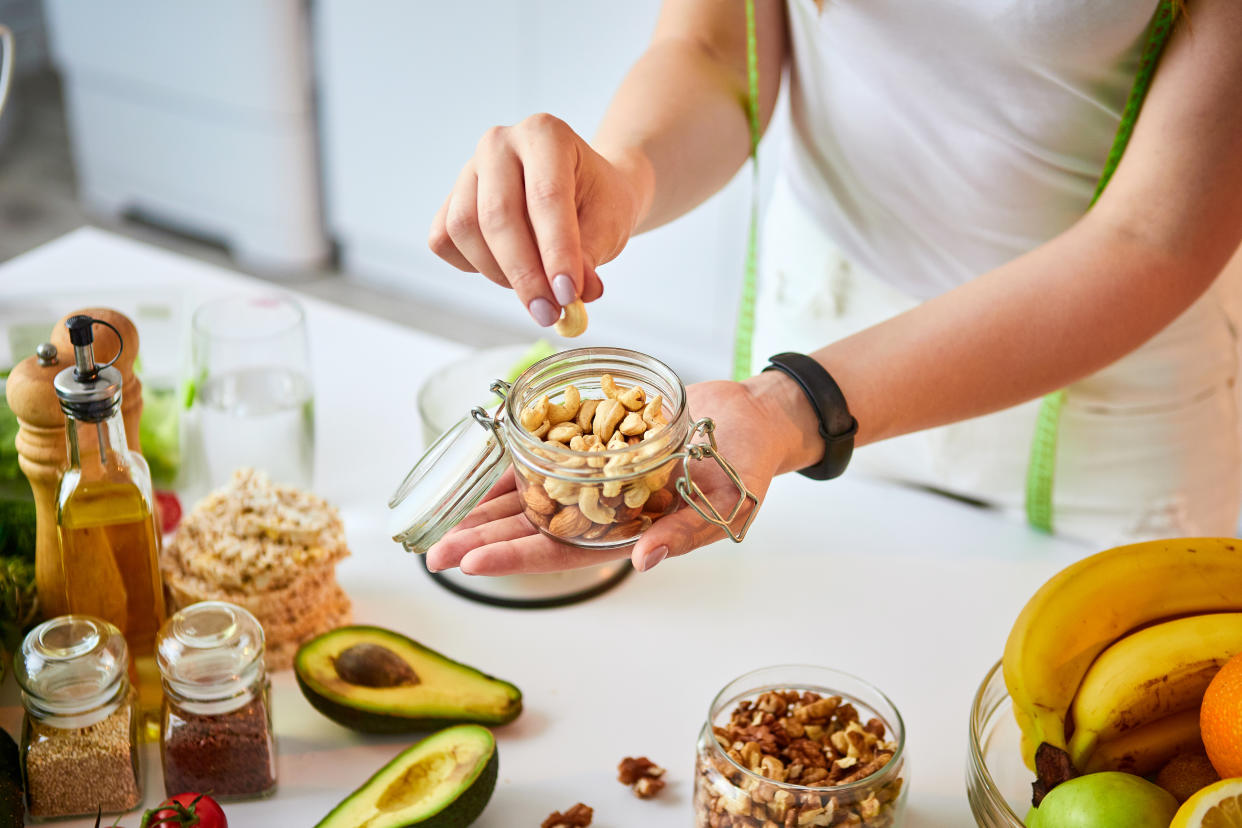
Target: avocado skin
[(372, 721), (460, 813), (12, 805)]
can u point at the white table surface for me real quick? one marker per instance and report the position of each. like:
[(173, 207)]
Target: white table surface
[(913, 592)]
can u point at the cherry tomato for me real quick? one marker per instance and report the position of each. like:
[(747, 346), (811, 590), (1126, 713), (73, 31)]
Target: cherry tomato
[(183, 808), (169, 509)]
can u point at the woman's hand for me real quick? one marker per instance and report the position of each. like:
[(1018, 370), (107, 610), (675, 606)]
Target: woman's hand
[(497, 539), (537, 209)]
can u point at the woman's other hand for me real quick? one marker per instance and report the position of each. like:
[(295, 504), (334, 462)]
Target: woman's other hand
[(752, 434), (537, 209)]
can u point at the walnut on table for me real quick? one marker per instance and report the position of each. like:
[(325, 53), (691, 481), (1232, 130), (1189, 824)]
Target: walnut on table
[(579, 816), (642, 775)]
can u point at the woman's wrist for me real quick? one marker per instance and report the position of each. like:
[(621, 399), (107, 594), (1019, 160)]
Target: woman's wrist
[(638, 171), (791, 419)]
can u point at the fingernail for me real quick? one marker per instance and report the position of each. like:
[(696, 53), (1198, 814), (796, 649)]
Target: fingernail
[(563, 289), (544, 312), (653, 557)]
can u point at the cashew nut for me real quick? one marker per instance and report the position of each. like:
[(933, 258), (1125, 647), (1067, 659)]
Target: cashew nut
[(574, 322), (586, 413), (607, 416), (588, 503), (633, 424), (562, 491), (633, 399), (618, 441), (535, 414), (567, 409), (653, 412), (636, 495), (541, 430), (659, 478), (609, 386), (596, 462), (564, 432)]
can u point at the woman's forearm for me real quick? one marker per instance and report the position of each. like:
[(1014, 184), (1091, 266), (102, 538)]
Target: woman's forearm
[(678, 124), (1037, 324)]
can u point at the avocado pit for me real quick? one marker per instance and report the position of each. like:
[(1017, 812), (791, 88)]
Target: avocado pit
[(373, 665)]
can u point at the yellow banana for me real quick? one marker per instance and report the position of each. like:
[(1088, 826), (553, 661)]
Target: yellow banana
[(1147, 749), (1089, 605), (1150, 674)]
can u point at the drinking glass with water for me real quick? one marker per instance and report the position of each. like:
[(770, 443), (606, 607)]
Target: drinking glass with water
[(253, 404)]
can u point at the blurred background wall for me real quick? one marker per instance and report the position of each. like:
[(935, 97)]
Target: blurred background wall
[(311, 142)]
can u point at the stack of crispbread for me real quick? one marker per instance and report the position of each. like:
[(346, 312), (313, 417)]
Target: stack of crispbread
[(269, 548)]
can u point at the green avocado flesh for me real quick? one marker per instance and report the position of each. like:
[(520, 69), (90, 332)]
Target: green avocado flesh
[(444, 781), (377, 681)]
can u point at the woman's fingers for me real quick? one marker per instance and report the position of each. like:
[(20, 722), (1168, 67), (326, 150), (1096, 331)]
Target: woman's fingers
[(440, 243), (530, 554), (461, 222), (671, 536), (503, 222), (546, 147)]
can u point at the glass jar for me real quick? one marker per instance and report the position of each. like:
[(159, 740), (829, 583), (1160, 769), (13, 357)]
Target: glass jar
[(81, 729), (216, 731), (589, 499), (834, 770), (998, 783)]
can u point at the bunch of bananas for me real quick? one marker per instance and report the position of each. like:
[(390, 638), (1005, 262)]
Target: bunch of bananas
[(1110, 659)]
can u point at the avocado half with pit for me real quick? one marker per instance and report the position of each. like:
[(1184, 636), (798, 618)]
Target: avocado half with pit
[(444, 781), (378, 681)]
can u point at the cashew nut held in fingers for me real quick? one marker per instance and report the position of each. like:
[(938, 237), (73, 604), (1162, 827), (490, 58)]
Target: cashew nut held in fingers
[(567, 409), (574, 321)]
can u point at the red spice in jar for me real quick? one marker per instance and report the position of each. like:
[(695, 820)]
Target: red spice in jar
[(229, 754)]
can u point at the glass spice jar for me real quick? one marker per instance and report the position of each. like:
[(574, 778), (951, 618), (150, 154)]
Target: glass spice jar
[(80, 733), (800, 745), (598, 499), (216, 732)]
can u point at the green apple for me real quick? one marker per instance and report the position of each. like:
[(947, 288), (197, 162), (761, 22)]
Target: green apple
[(1032, 818), (1105, 800)]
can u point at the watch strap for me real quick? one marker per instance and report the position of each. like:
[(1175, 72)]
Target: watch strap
[(837, 426)]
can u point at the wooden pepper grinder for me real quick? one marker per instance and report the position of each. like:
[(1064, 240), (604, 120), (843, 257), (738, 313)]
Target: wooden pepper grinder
[(41, 448)]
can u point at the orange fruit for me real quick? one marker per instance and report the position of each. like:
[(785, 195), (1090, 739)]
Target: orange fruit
[(1220, 719), (1216, 806)]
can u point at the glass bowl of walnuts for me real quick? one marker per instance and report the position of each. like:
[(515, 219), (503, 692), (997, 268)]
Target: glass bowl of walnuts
[(799, 745)]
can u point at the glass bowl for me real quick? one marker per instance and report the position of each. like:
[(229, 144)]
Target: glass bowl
[(728, 794), (998, 783)]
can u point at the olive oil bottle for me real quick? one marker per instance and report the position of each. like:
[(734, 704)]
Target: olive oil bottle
[(109, 544)]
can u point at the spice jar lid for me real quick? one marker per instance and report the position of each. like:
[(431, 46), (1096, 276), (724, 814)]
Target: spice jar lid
[(72, 664), (211, 651), (447, 482)]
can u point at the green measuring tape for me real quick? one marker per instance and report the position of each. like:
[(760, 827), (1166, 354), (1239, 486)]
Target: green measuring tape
[(1042, 466)]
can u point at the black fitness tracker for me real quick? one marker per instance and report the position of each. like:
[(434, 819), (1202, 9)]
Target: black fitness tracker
[(836, 425)]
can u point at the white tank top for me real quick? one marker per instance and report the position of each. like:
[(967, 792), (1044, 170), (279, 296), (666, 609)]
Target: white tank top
[(938, 139)]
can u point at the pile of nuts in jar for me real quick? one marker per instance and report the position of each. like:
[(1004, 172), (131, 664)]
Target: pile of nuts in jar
[(610, 498), (799, 739)]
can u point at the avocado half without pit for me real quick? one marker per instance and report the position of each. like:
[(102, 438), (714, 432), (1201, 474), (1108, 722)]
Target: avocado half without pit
[(378, 681), (444, 781)]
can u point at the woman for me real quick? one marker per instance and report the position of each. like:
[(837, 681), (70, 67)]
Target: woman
[(930, 238)]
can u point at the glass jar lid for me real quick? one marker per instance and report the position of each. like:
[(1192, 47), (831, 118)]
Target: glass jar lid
[(447, 482), (210, 651), (72, 664)]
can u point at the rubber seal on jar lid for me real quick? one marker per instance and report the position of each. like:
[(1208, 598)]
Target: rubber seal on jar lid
[(447, 482)]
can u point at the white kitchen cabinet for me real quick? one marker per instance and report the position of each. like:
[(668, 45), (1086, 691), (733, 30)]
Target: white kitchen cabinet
[(197, 115), (405, 91)]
